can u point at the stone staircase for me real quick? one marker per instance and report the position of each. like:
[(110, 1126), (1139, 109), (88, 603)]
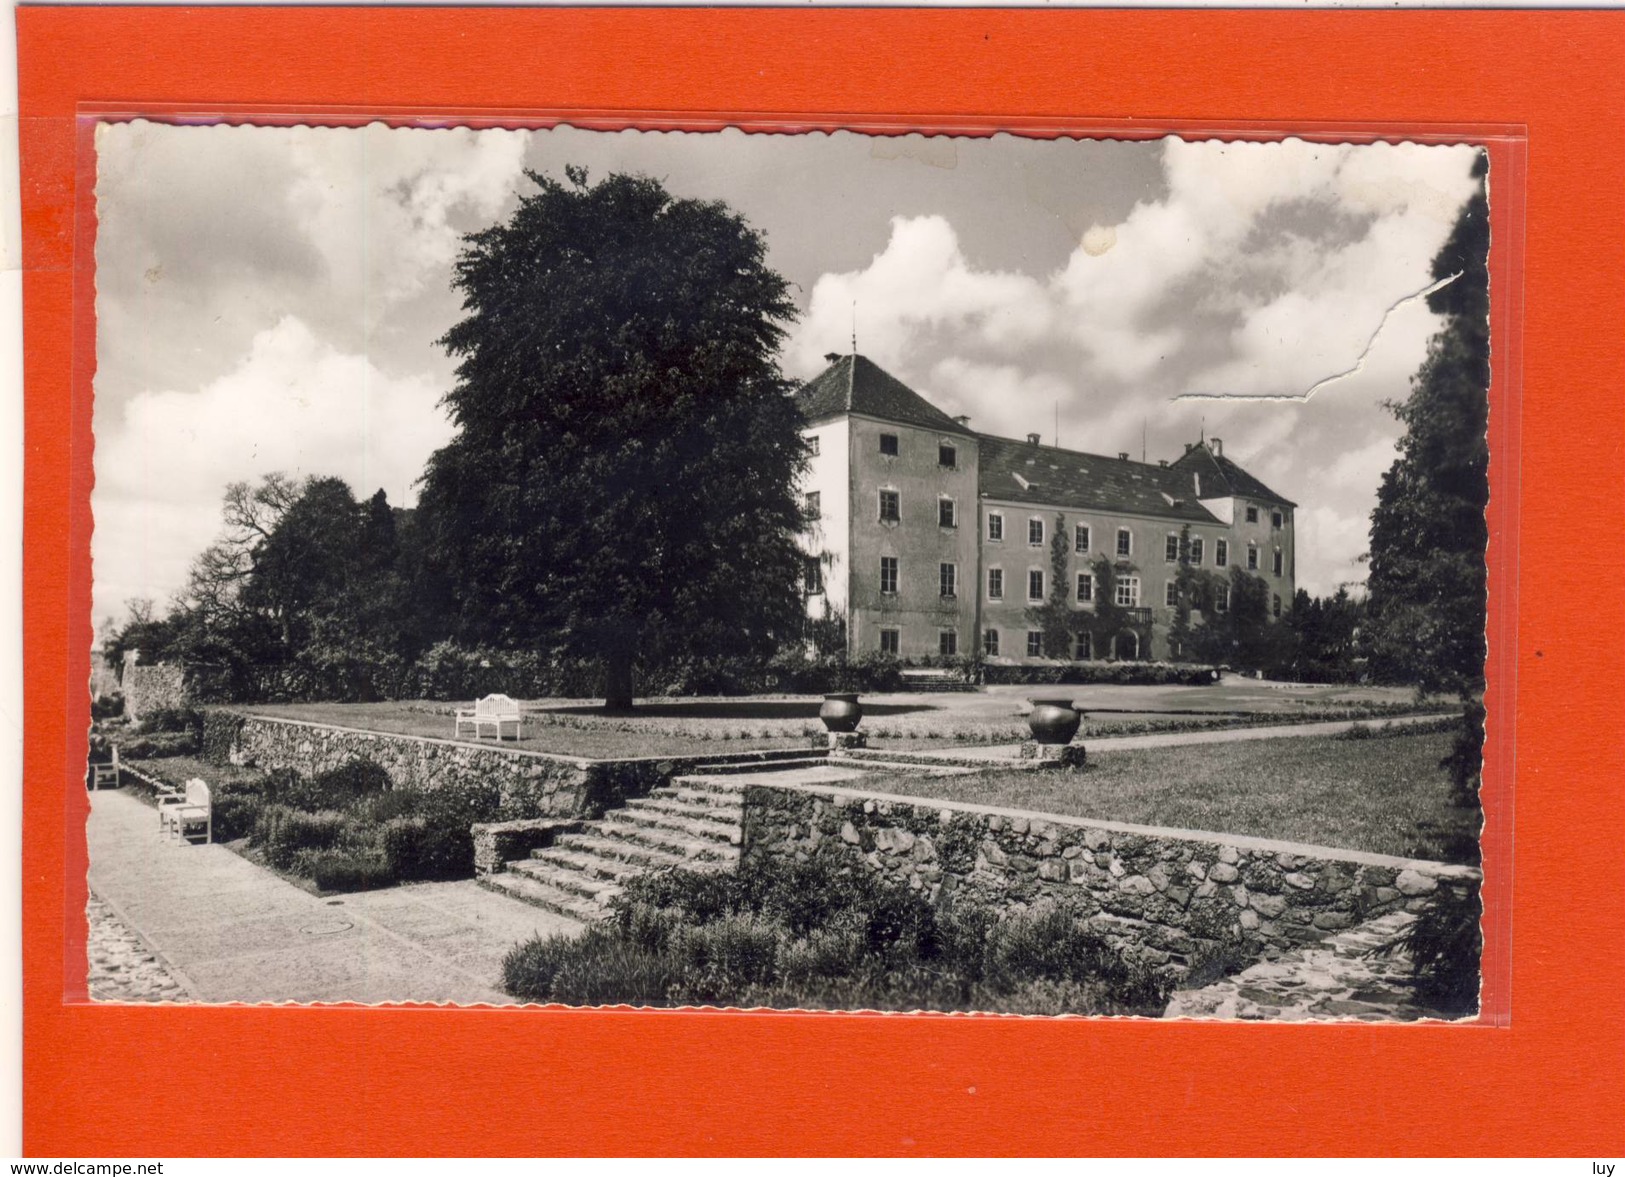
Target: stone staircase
[(696, 822)]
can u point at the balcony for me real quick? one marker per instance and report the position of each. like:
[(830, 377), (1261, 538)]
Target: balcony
[(1137, 615)]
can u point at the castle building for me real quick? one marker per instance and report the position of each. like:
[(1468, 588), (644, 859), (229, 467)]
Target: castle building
[(931, 539)]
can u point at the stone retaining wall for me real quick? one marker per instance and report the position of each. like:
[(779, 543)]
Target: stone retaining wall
[(526, 784), (1166, 893)]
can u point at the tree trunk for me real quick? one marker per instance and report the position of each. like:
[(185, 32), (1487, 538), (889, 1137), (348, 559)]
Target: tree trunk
[(618, 681)]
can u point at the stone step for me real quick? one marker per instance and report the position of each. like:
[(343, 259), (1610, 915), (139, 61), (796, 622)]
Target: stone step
[(686, 841), (708, 829), (613, 870), (686, 793), (739, 769), (651, 853), (543, 895), (704, 807), (564, 875)]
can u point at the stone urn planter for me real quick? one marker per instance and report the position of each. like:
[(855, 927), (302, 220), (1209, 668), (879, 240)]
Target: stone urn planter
[(1054, 721), (841, 713)]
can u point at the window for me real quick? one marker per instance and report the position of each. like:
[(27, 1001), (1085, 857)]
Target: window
[(1170, 550), (1252, 557), (1125, 542), (812, 443), (1275, 564), (1277, 520), (1221, 552), (891, 641), (1035, 584), (990, 643), (948, 578), (1082, 651), (815, 506), (1080, 537), (1170, 594), (1252, 514), (1086, 586), (1196, 549), (888, 574), (890, 506), (948, 643), (995, 528), (813, 575), (1128, 591), (1221, 599), (947, 457), (995, 584), (945, 513), (1275, 604), (888, 444), (1035, 532), (1035, 643)]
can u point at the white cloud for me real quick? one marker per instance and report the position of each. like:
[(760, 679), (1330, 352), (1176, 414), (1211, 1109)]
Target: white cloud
[(293, 404)]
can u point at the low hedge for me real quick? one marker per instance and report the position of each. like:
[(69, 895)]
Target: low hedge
[(1135, 674)]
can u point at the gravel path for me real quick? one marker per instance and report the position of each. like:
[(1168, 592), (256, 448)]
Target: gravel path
[(121, 966)]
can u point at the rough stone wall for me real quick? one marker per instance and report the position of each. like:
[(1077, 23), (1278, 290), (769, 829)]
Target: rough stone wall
[(1167, 893), (152, 688), (526, 784)]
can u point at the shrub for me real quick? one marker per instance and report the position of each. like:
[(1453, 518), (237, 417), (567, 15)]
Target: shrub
[(1465, 760), (173, 719), (1155, 674), (157, 746), (236, 811), (822, 934), (350, 782), (345, 870), (221, 730), (107, 706), (283, 831), (716, 961), (427, 848)]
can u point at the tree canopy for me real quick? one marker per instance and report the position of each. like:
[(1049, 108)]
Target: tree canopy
[(621, 485), (1426, 611)]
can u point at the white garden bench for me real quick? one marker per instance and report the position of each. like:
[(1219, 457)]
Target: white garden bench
[(194, 811), (498, 713)]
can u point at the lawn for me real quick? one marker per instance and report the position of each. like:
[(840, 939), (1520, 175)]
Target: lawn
[(1384, 794), (697, 727)]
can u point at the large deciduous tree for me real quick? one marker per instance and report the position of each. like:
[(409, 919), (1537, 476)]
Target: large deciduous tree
[(1425, 613), (621, 483)]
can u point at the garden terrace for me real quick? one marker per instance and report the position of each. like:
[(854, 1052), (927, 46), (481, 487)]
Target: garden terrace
[(1384, 794)]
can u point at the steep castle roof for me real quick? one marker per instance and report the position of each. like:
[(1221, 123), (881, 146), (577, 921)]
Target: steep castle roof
[(1046, 475), (856, 384), (1222, 478)]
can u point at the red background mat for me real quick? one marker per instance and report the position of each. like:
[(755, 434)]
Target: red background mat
[(1538, 1075)]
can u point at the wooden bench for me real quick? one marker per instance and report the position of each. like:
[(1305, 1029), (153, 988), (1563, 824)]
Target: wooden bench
[(498, 713), (193, 812), (106, 776)]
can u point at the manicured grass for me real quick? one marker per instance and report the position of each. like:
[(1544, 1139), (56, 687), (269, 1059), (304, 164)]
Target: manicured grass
[(1385, 794), (612, 738)]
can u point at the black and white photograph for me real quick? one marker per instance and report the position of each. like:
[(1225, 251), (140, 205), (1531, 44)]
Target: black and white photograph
[(761, 570)]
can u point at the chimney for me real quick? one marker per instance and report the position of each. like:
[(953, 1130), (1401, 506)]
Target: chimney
[(1122, 457), (963, 420), (831, 356), (1218, 447), (1032, 439), (1163, 462)]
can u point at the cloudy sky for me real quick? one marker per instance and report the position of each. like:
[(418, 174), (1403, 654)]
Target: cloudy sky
[(268, 299)]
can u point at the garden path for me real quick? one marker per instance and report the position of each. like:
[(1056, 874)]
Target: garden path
[(1103, 744), (231, 931)]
